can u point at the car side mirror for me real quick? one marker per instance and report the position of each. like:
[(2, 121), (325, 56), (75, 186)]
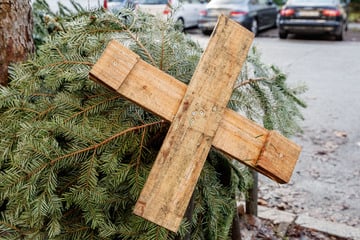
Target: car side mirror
[(269, 2)]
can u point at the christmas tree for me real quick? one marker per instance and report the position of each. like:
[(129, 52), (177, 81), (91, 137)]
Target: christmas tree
[(74, 155)]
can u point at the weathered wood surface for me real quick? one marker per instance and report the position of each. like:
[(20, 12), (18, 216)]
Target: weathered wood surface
[(237, 136), (178, 165), (199, 119)]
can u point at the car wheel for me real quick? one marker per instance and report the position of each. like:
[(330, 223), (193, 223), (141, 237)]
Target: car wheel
[(340, 36), (206, 32), (180, 25), (283, 35), (254, 28)]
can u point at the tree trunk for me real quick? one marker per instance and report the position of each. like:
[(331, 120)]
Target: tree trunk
[(235, 230), (251, 201), (15, 34)]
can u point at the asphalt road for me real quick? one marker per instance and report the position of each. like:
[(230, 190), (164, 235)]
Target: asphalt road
[(326, 181)]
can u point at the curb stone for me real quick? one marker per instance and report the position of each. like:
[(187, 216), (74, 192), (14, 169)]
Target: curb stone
[(336, 229), (276, 216), (303, 220)]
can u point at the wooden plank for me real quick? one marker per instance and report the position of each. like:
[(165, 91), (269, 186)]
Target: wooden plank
[(172, 181), (278, 154), (119, 60), (237, 136), (178, 165)]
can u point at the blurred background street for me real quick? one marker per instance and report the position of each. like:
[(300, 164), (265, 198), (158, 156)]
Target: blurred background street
[(326, 181)]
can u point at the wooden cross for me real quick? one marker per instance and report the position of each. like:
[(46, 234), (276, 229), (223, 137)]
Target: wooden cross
[(199, 119)]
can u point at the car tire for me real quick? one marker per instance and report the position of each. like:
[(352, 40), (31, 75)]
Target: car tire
[(283, 35), (206, 32), (340, 36), (180, 25), (254, 27)]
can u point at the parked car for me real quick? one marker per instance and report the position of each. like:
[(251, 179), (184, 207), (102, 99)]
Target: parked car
[(85, 4), (255, 15), (314, 17), (185, 12), (115, 5)]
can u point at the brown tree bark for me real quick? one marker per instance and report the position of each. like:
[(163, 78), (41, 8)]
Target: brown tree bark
[(16, 40)]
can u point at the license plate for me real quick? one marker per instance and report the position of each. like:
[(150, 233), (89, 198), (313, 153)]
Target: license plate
[(216, 13), (209, 25), (308, 14)]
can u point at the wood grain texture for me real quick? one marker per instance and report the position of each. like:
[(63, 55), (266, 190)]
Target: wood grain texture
[(278, 154), (199, 119), (174, 175), (236, 136)]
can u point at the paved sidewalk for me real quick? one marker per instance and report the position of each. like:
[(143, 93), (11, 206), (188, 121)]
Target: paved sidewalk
[(303, 220), (354, 26)]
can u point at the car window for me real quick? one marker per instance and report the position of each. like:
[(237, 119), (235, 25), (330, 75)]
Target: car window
[(189, 1), (229, 1), (315, 1), (153, 2)]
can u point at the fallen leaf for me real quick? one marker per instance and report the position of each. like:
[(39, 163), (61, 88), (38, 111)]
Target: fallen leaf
[(340, 134), (262, 202)]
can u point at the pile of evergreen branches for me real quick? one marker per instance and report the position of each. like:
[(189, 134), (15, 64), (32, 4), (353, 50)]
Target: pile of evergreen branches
[(74, 155)]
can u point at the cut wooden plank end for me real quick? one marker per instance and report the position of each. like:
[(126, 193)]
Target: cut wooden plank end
[(164, 218), (278, 157), (118, 58)]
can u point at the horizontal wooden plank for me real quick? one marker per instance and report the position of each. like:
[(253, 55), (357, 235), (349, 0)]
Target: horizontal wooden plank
[(278, 154), (237, 136), (199, 119), (120, 60)]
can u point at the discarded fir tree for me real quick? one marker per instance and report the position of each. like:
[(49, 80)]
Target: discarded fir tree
[(74, 155)]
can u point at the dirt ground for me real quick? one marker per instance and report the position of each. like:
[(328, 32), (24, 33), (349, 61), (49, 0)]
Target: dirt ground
[(336, 203), (253, 228), (319, 166)]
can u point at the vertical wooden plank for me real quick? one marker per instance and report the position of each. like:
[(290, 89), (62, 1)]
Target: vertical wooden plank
[(173, 177)]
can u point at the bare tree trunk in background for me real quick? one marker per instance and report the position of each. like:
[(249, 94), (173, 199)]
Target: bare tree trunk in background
[(15, 34), (252, 200)]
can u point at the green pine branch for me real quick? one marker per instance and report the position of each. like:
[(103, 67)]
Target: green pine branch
[(74, 156)]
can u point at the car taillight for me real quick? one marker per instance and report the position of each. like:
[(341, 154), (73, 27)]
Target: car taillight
[(203, 13), (287, 12), (167, 10), (331, 12), (237, 13), (105, 4)]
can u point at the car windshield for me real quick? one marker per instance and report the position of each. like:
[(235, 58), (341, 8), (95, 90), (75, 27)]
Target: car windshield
[(314, 1), (229, 1)]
